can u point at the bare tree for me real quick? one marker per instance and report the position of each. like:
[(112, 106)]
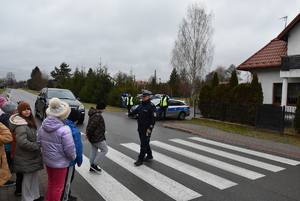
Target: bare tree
[(193, 47), (10, 79), (221, 70)]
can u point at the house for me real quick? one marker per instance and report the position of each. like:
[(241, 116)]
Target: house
[(277, 66)]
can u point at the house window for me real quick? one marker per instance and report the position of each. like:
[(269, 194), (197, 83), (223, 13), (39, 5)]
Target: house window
[(292, 96), (293, 92), (277, 92)]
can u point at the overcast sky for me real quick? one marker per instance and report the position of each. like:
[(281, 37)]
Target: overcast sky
[(128, 35)]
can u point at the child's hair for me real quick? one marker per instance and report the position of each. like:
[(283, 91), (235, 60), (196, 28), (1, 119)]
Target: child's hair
[(30, 120)]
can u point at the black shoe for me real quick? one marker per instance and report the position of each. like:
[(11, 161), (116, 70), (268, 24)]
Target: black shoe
[(9, 183), (72, 198), (138, 163), (17, 193), (148, 158), (94, 168), (41, 198)]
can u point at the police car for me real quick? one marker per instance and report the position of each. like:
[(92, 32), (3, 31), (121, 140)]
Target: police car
[(177, 109)]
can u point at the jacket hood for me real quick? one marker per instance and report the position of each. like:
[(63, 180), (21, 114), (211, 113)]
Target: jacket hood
[(52, 123), (15, 120), (93, 111)]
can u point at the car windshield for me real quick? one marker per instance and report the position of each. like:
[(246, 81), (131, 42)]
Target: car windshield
[(62, 94), (155, 101)]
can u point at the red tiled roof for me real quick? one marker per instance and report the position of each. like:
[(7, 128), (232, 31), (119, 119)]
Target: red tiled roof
[(268, 56)]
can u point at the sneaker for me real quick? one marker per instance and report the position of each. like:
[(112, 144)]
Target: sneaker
[(148, 158), (9, 183), (95, 168), (41, 198), (72, 198), (138, 163)]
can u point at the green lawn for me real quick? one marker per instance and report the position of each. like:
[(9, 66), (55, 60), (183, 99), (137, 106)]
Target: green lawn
[(247, 130)]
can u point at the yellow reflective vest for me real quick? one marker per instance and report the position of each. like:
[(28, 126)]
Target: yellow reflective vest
[(129, 101), (164, 101)]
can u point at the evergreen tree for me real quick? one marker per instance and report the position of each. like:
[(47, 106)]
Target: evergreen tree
[(258, 96), (97, 86), (75, 82), (233, 80), (36, 81), (174, 82), (215, 80), (60, 74)]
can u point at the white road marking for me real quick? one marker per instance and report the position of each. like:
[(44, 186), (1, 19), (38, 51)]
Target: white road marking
[(107, 186), (213, 162), (247, 151), (231, 156), (168, 186), (197, 173)]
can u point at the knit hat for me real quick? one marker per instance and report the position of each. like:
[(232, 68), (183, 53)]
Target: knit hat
[(23, 106), (2, 101), (101, 105), (9, 107), (58, 108), (74, 115)]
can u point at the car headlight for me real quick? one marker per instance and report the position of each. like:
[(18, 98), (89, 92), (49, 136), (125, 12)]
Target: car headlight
[(81, 107)]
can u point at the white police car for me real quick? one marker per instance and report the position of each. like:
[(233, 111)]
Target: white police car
[(177, 109)]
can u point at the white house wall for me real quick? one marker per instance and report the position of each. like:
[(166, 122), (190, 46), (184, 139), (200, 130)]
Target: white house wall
[(294, 40), (267, 77)]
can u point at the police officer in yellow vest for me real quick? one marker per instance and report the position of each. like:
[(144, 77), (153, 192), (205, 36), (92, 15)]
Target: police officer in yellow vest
[(129, 102), (164, 104)]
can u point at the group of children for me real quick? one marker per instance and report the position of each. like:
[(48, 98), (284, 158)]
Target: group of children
[(56, 145)]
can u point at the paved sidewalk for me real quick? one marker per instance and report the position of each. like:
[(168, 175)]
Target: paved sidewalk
[(213, 133), (7, 193)]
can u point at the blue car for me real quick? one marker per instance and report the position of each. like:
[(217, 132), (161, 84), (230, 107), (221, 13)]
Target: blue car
[(177, 109)]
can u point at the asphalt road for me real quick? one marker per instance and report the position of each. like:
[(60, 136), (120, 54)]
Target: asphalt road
[(182, 168)]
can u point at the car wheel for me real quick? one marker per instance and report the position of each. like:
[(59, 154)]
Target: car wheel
[(181, 116)]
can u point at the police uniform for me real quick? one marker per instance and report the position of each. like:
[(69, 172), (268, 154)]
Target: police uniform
[(164, 104), (146, 119), (129, 102)]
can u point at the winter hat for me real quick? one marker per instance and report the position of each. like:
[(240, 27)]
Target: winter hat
[(9, 107), (2, 101), (23, 106), (74, 115), (101, 105), (58, 108)]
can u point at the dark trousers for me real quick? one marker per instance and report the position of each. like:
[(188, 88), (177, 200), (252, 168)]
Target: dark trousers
[(145, 146), (163, 109), (129, 107), (19, 179)]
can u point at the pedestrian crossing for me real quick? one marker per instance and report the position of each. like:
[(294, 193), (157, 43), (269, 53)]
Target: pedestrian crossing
[(193, 148)]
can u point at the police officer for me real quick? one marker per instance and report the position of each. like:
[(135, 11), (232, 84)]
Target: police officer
[(129, 102), (146, 119), (164, 104)]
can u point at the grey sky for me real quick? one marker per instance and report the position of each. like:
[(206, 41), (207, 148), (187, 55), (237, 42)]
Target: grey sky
[(127, 35)]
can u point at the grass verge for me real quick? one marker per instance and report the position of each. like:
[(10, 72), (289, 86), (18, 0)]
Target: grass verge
[(246, 130)]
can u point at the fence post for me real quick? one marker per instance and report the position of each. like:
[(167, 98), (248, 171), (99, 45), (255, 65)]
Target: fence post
[(282, 120), (256, 115)]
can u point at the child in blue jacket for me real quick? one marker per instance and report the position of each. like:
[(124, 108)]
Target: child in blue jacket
[(71, 122)]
